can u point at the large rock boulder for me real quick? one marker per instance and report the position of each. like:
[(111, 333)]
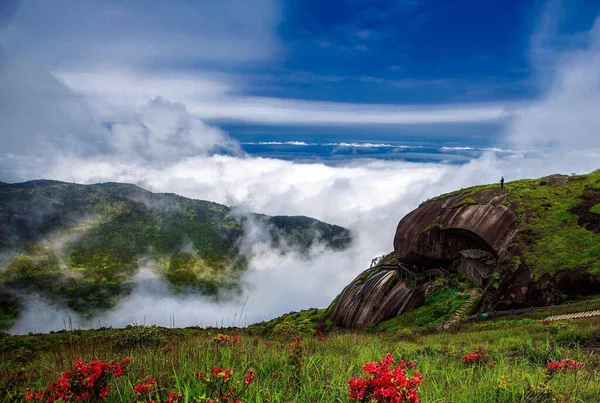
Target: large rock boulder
[(374, 296), (435, 233)]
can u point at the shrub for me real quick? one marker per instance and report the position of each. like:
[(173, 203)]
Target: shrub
[(220, 388), (386, 383), (223, 339), (479, 355), (86, 382), (138, 336)]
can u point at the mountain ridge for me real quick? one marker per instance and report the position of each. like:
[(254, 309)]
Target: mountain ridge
[(82, 244)]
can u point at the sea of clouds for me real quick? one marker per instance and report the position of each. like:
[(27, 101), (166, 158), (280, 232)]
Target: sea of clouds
[(59, 132)]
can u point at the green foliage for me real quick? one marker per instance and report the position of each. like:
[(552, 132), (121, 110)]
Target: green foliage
[(85, 242), (293, 323), (552, 237), (595, 209), (317, 370), (469, 201), (304, 232), (440, 302), (136, 336)]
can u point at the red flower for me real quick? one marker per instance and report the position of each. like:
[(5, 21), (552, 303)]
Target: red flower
[(564, 364), (174, 397), (87, 381), (478, 355), (104, 392), (385, 384), (249, 377)]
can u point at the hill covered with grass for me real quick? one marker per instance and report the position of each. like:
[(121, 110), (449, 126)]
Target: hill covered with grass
[(82, 244), (533, 242)]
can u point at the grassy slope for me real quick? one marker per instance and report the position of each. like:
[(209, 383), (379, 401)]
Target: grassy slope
[(83, 243), (520, 350), (552, 237)]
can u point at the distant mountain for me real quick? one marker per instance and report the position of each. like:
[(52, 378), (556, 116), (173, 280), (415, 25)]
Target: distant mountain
[(83, 243)]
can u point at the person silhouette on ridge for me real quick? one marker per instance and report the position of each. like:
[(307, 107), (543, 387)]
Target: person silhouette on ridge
[(502, 182)]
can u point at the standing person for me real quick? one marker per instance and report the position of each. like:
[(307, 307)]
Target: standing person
[(502, 182)]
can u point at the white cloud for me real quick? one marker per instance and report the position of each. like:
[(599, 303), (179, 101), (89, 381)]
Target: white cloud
[(567, 115), (212, 97), (109, 32), (369, 197), (162, 131)]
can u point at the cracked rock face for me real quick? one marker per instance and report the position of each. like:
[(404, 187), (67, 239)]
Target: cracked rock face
[(374, 296), (432, 236), (439, 230)]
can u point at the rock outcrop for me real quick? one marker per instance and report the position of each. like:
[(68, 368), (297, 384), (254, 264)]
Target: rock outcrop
[(531, 243), (435, 233), (376, 295)]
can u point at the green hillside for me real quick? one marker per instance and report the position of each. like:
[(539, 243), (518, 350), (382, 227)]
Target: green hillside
[(558, 220), (83, 243)]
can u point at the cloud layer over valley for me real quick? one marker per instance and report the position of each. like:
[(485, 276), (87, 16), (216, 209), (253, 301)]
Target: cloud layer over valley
[(128, 125)]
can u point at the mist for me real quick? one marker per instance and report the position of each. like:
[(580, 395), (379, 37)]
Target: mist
[(181, 154)]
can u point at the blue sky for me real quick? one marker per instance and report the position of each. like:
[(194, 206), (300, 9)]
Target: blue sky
[(414, 71)]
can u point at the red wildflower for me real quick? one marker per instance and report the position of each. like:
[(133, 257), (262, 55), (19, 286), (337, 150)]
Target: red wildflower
[(249, 377), (386, 383), (223, 339), (174, 397), (564, 364), (87, 381), (478, 355), (221, 388)]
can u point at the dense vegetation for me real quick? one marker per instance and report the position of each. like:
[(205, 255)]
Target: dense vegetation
[(499, 361), (82, 244)]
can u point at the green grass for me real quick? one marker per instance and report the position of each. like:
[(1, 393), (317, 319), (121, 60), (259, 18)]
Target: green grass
[(439, 304), (469, 201), (303, 322), (519, 350), (554, 240), (595, 209)]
